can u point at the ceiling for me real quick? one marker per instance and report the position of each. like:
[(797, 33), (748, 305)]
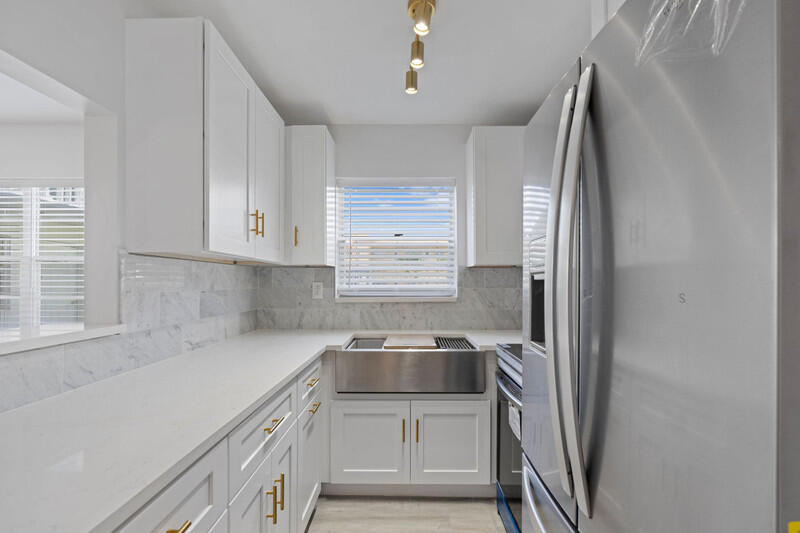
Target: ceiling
[(344, 61), (21, 104)]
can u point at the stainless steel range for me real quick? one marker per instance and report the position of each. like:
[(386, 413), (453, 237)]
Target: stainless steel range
[(509, 425)]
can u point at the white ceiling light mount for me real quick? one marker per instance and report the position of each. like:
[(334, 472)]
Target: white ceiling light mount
[(422, 12)]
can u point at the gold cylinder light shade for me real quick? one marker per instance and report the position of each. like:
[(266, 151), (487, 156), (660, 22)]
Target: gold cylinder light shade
[(411, 81), (417, 54), (422, 12)]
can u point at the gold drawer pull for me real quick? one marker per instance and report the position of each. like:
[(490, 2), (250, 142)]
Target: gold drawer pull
[(295, 236), (316, 406), (274, 494), (186, 525), (281, 481), (275, 423), (312, 382)]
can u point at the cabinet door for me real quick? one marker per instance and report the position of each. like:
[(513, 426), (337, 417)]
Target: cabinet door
[(494, 196), (313, 195), (229, 131), (247, 512), (451, 442), (311, 426), (370, 442), (284, 477), (269, 181)]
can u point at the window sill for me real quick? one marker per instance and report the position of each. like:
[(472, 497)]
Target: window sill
[(45, 341), (391, 300)]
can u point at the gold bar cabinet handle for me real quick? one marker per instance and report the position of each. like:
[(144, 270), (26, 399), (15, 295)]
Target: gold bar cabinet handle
[(312, 382), (281, 481), (275, 423), (295, 236), (316, 406), (274, 494), (404, 430), (417, 430), (256, 215), (186, 525), (261, 218)]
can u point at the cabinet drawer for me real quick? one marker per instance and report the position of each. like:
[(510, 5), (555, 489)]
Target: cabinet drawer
[(196, 496), (250, 443), (309, 382)]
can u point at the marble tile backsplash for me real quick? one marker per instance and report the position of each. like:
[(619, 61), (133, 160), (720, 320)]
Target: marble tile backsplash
[(169, 306), (488, 298)]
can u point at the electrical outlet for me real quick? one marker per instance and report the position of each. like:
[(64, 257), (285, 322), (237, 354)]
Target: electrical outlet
[(316, 290)]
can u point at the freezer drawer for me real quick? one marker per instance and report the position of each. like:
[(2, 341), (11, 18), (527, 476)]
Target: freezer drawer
[(540, 514)]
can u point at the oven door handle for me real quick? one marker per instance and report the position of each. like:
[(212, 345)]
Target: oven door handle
[(512, 398)]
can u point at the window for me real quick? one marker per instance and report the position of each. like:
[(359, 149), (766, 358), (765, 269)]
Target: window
[(41, 260), (396, 241)]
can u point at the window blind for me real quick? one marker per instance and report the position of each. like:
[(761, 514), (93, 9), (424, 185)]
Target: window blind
[(396, 241), (41, 260)]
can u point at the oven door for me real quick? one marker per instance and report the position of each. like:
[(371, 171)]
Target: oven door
[(509, 453)]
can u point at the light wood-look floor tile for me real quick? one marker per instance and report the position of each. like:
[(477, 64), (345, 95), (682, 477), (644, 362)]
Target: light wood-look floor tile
[(405, 515)]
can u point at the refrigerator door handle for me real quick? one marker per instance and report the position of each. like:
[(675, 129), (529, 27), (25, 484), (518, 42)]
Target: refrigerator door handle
[(565, 319), (562, 457)]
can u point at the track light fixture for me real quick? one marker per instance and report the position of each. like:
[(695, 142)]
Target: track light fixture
[(417, 54), (411, 81), (422, 12)]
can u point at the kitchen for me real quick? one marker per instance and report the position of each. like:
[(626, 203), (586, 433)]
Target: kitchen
[(398, 266)]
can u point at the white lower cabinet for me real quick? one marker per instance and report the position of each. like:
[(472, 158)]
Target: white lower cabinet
[(451, 442), (311, 438), (284, 479), (264, 503), (420, 442), (197, 498), (370, 442)]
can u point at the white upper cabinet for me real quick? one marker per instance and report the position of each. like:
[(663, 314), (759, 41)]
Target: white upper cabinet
[(312, 196), (203, 147), (229, 136), (494, 196), (270, 183)]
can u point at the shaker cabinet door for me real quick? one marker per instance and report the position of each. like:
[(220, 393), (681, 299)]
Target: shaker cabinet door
[(269, 182), (370, 442), (229, 133), (450, 442)]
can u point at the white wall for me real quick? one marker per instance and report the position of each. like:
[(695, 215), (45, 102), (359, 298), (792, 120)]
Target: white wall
[(41, 150), (79, 45), (406, 152)]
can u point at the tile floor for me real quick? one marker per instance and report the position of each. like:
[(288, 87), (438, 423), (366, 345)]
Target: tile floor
[(405, 515)]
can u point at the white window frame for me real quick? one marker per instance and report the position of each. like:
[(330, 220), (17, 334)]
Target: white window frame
[(396, 182), (30, 306)]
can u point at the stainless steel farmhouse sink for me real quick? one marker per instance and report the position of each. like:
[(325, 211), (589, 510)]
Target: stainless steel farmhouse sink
[(454, 366)]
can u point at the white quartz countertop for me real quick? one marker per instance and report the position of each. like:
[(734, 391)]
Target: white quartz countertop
[(87, 459)]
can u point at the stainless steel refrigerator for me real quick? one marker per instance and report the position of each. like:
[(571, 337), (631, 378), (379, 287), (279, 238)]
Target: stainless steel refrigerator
[(661, 304)]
